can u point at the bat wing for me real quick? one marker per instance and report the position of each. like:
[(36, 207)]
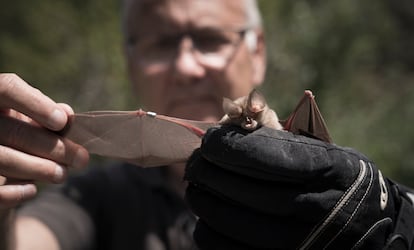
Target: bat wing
[(307, 120), (139, 137), (147, 139)]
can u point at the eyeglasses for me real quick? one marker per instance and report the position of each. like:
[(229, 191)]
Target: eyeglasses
[(211, 48)]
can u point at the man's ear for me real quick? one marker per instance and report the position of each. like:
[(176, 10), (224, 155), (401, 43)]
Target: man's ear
[(258, 57)]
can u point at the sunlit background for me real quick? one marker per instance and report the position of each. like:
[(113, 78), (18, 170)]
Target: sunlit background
[(356, 56)]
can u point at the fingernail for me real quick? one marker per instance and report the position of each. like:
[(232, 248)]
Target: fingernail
[(81, 158), (28, 190), (57, 120), (59, 174)]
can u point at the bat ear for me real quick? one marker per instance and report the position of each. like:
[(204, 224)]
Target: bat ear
[(256, 101), (231, 108)]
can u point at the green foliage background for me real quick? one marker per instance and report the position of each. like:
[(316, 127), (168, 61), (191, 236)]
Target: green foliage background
[(356, 56)]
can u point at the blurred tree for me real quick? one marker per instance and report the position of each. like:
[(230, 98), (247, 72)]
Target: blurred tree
[(356, 56), (69, 49)]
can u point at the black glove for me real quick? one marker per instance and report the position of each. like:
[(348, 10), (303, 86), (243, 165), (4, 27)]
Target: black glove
[(271, 189)]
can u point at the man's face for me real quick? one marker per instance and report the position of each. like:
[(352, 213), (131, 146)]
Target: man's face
[(184, 56)]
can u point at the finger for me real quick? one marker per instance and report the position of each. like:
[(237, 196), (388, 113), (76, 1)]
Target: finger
[(19, 165), (41, 142), (68, 109), (2, 180), (12, 195), (17, 115), (18, 95)]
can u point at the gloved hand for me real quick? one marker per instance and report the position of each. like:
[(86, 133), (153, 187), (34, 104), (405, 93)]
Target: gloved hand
[(271, 189)]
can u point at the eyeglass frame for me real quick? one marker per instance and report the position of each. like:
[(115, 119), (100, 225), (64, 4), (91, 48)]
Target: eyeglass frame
[(246, 34)]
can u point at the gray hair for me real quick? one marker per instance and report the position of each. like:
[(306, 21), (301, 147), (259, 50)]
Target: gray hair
[(254, 19)]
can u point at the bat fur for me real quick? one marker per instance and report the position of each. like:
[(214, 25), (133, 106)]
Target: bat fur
[(250, 112)]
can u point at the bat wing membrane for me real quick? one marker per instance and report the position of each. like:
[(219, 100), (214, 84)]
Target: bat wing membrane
[(307, 120), (140, 139)]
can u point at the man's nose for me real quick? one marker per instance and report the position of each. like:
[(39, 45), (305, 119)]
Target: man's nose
[(186, 62)]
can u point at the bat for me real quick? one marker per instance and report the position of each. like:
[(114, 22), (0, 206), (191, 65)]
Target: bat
[(148, 139), (250, 112)]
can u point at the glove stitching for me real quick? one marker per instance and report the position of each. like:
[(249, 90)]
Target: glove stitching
[(357, 207), (316, 143), (369, 231), (316, 233), (348, 151), (320, 144), (329, 147)]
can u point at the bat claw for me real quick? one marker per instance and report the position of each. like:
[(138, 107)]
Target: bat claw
[(309, 93)]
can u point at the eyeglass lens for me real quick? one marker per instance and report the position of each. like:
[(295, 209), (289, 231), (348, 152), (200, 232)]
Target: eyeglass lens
[(212, 48)]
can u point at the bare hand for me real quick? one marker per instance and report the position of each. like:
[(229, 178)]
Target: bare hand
[(29, 150)]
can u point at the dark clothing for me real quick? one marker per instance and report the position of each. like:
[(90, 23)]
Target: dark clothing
[(118, 207)]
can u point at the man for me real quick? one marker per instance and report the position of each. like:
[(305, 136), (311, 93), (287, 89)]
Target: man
[(269, 189)]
